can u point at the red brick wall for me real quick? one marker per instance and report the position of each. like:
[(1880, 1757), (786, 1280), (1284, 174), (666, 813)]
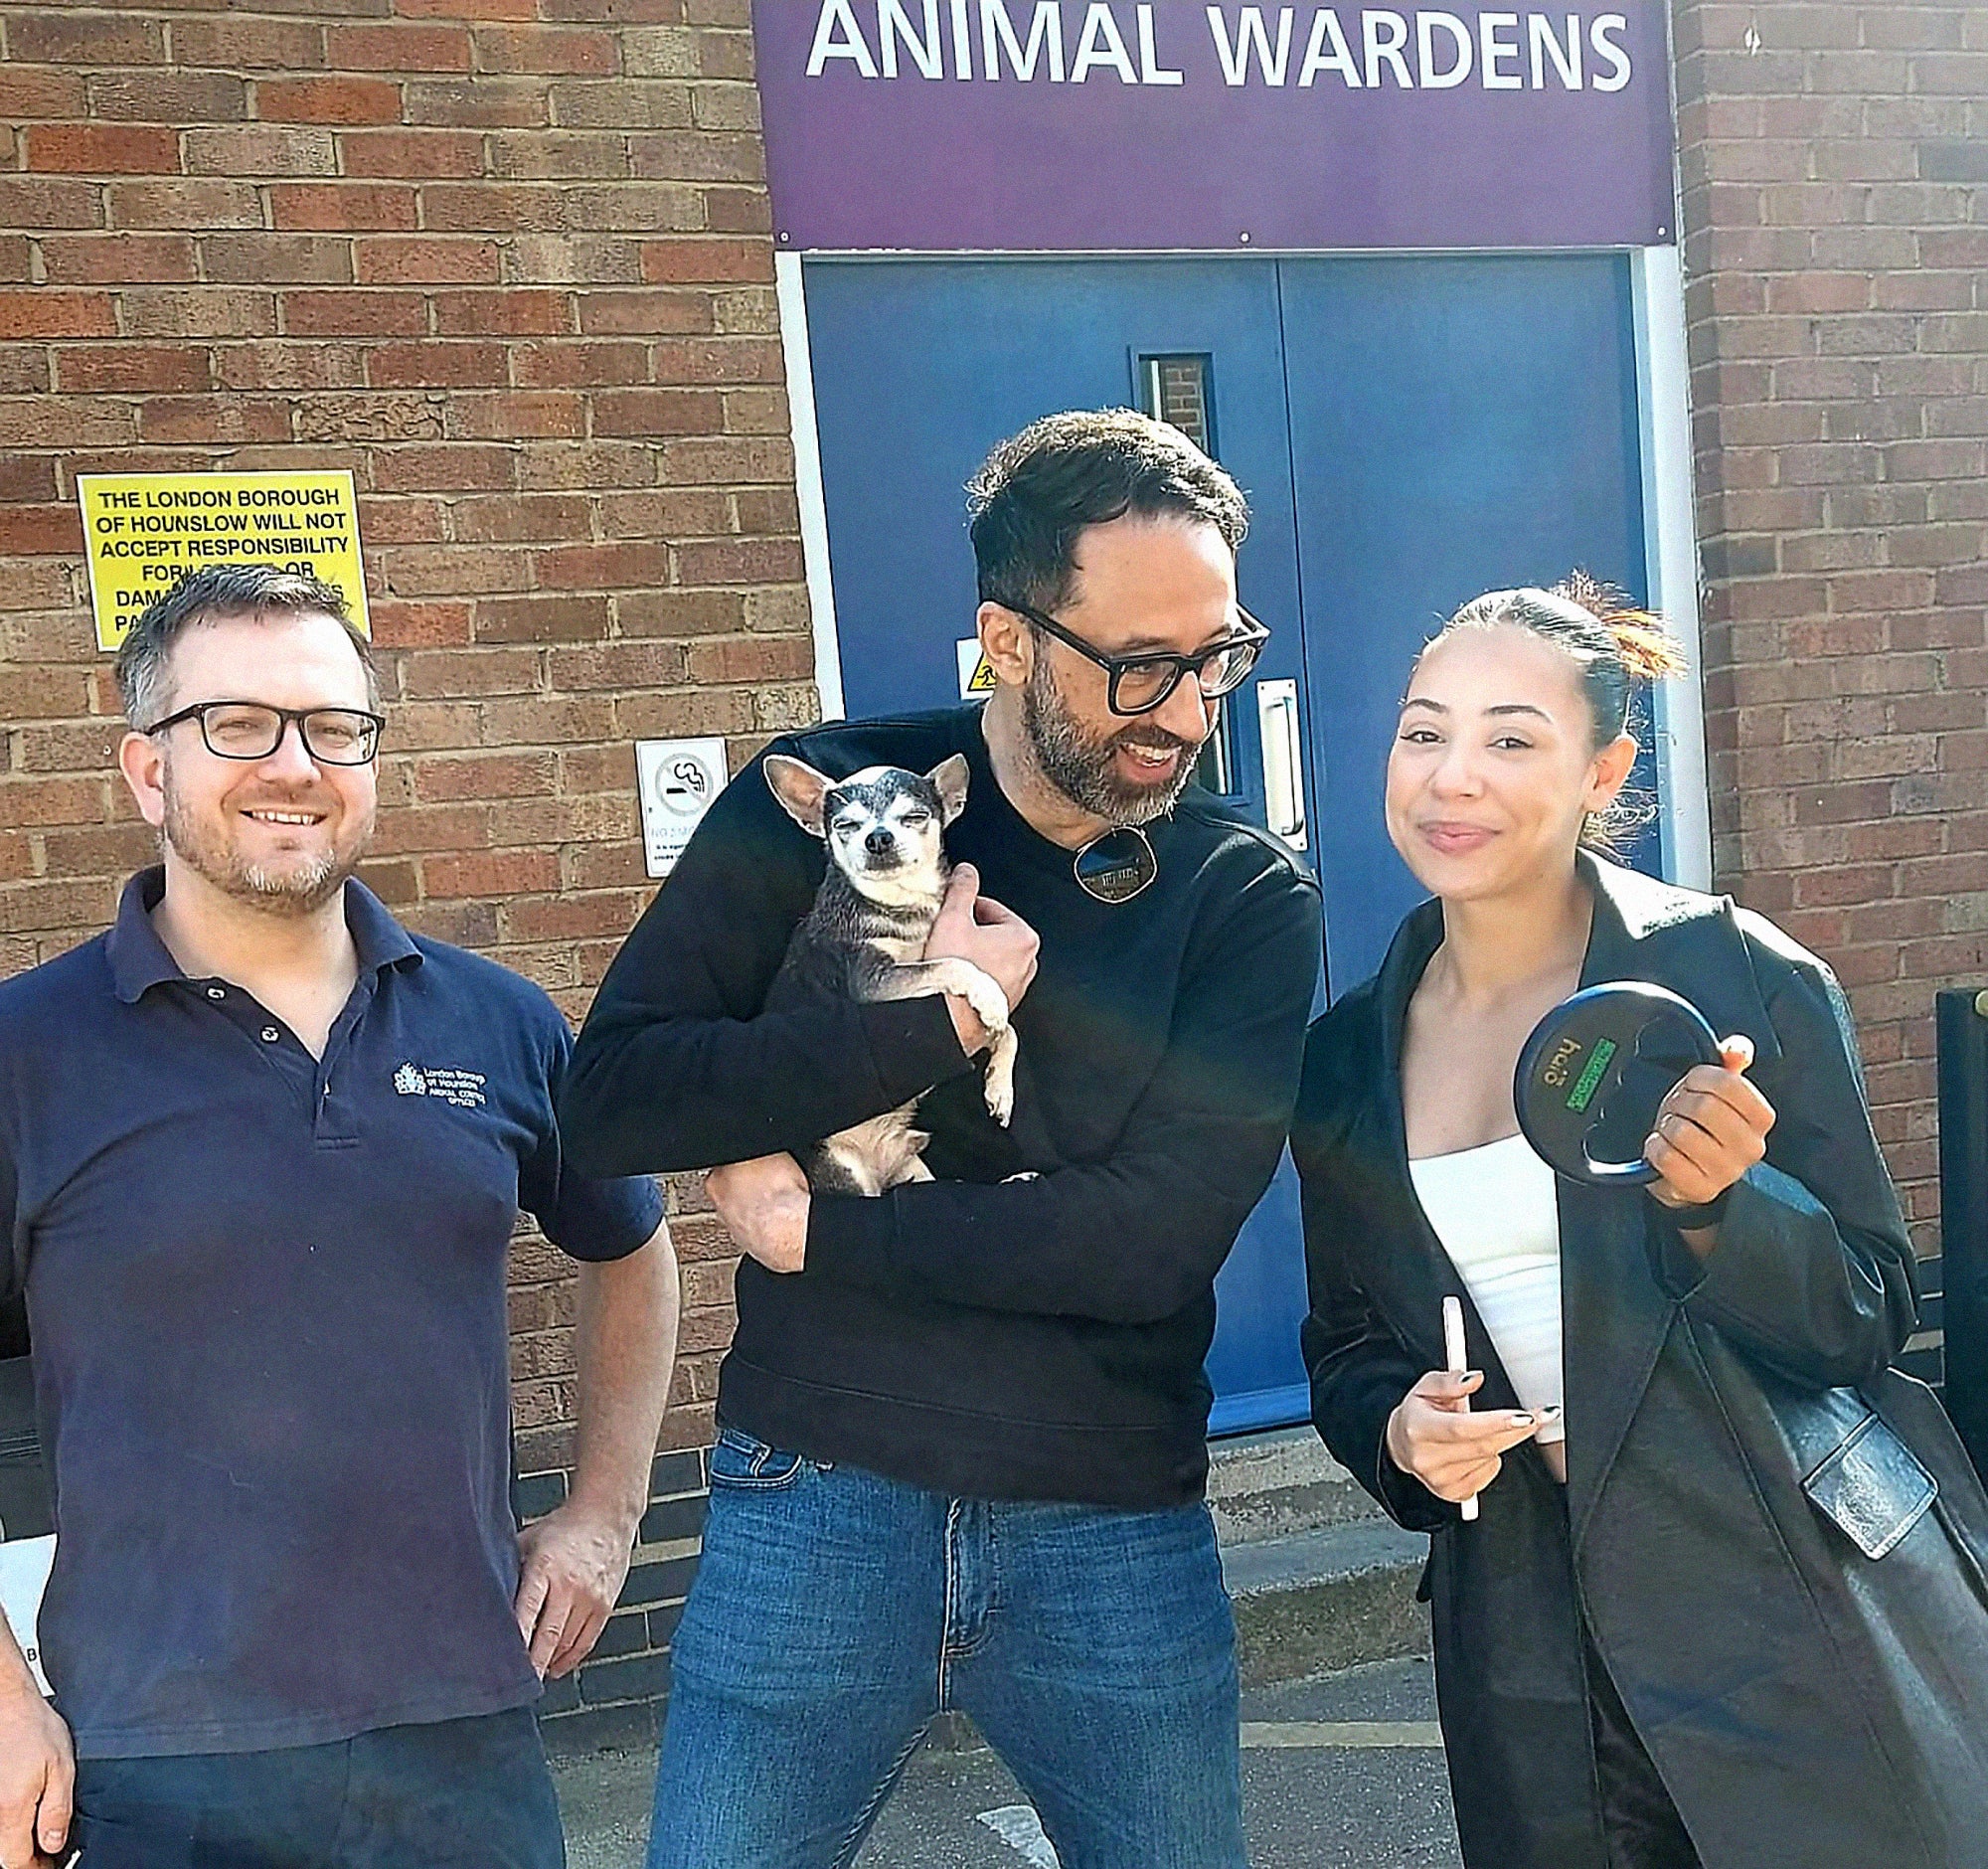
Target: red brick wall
[(508, 262), (1836, 214)]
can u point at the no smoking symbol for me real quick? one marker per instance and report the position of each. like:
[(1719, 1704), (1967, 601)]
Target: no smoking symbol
[(682, 786)]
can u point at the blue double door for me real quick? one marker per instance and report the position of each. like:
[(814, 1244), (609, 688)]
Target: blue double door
[(1409, 430)]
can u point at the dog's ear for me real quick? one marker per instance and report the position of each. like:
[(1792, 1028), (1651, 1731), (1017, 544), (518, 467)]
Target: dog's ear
[(800, 790), (949, 780)]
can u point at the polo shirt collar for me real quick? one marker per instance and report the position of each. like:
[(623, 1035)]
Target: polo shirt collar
[(139, 959), (382, 942)]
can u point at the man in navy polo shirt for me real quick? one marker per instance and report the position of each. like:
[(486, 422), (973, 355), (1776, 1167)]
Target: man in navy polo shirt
[(261, 1155)]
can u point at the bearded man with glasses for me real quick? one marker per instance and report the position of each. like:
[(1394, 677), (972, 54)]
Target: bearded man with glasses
[(262, 1152), (963, 1425)]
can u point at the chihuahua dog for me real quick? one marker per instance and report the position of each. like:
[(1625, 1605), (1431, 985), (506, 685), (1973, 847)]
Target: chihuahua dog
[(865, 939)]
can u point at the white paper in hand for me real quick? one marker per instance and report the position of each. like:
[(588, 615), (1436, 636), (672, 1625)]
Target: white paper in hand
[(23, 1575)]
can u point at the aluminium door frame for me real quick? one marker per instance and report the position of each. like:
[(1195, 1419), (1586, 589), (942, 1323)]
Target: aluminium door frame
[(1670, 539)]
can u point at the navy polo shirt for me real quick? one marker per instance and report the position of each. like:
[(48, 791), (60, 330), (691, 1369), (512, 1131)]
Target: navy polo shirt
[(267, 1300)]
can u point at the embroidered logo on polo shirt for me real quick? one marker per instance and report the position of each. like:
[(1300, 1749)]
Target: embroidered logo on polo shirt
[(464, 1089)]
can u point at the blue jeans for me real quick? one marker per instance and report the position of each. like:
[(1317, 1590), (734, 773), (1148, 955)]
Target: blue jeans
[(457, 1795), (835, 1612)]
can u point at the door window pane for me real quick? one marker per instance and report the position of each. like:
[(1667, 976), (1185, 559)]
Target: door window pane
[(1175, 390)]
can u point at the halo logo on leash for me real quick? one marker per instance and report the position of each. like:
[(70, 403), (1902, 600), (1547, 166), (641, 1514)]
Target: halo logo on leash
[(1595, 1070)]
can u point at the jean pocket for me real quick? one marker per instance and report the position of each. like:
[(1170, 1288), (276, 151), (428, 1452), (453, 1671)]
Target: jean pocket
[(106, 1843), (740, 1459)]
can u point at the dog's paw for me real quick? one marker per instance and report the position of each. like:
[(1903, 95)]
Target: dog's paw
[(990, 1007), (981, 991), (999, 1089)]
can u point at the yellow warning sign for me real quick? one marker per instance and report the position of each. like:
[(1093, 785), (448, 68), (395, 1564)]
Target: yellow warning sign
[(144, 531), (976, 673)]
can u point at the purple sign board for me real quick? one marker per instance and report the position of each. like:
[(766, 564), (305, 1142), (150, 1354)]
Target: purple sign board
[(1061, 126)]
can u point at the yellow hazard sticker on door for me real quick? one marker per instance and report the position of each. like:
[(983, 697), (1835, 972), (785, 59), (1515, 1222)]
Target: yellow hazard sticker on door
[(976, 673), (146, 531)]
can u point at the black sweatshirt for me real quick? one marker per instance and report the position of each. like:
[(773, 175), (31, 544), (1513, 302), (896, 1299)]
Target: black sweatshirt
[(982, 1336)]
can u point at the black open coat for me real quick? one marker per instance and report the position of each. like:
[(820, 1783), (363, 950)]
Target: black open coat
[(1805, 1705)]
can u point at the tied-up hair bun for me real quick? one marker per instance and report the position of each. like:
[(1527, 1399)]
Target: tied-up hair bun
[(1649, 652), (1620, 649)]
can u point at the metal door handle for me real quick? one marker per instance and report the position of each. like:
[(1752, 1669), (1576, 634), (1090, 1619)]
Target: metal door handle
[(1283, 760)]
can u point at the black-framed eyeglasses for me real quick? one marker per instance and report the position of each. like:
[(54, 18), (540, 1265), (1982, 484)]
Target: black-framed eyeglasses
[(1137, 684), (252, 730), (1117, 866)]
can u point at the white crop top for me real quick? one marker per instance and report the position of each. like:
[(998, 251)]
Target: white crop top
[(1495, 1211)]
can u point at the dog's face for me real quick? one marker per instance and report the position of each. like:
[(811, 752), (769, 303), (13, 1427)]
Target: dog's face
[(882, 825)]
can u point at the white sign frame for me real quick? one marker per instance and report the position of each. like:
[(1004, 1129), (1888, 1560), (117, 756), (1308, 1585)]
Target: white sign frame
[(674, 783)]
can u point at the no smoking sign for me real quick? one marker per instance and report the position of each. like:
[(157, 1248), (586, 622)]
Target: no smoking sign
[(677, 779)]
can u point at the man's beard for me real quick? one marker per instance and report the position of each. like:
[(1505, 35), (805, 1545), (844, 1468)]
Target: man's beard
[(295, 890), (1080, 766)]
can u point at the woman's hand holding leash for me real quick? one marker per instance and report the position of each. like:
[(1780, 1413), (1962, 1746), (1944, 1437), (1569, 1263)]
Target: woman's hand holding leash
[(1710, 1130)]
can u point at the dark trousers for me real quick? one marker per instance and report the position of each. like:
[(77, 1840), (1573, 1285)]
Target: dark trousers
[(458, 1794), (1642, 1825)]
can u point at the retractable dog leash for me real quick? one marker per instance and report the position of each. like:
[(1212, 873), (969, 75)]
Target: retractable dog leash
[(1596, 1070)]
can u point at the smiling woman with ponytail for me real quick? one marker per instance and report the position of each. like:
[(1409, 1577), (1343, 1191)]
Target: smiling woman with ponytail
[(1619, 652), (1671, 1639)]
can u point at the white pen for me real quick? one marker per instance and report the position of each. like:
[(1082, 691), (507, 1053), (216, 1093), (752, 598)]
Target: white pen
[(1459, 1363)]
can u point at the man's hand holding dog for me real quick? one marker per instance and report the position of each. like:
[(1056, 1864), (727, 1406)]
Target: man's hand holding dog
[(977, 929), (765, 1205)]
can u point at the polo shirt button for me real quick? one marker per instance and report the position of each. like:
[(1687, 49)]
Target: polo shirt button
[(215, 992), (271, 1035)]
